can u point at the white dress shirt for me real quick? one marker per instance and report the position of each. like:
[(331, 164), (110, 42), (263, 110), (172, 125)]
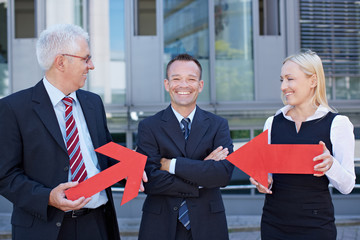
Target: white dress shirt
[(342, 173), (86, 145)]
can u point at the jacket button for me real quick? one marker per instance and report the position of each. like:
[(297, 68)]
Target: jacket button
[(58, 224), (176, 208), (66, 169)]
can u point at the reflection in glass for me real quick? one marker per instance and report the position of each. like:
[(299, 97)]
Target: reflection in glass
[(186, 30), (329, 87), (234, 51), (117, 51), (65, 11), (269, 17), (107, 33), (347, 88), (4, 72)]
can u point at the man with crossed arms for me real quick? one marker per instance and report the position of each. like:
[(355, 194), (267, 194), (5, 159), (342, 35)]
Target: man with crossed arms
[(186, 148)]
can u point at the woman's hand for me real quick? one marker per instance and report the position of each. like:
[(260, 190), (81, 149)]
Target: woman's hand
[(327, 161), (260, 187)]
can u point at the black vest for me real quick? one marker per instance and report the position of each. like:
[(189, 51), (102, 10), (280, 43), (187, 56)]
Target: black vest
[(300, 200)]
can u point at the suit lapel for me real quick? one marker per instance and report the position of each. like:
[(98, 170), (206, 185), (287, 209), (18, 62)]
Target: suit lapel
[(199, 127), (44, 109), (172, 128), (90, 116)]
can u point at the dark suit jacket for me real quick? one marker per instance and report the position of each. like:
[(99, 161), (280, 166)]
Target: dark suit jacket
[(34, 159), (161, 136)]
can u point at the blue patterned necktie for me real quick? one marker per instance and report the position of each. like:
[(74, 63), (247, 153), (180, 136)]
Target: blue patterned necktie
[(183, 210), (186, 129)]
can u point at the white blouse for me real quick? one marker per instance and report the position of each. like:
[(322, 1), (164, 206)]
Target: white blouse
[(342, 173)]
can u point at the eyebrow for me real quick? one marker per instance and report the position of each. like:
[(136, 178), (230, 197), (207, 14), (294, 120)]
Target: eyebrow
[(286, 75), (176, 75)]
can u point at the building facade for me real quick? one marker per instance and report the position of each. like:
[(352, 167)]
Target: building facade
[(240, 43)]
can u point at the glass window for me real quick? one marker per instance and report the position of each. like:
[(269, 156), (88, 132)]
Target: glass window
[(107, 33), (234, 65), (145, 17), (332, 31), (4, 70), (24, 18), (186, 31), (347, 88), (269, 18), (66, 11)]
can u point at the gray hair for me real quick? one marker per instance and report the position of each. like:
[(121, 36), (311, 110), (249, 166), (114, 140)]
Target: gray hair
[(58, 39)]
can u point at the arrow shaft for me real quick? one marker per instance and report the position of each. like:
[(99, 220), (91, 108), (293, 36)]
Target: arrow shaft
[(96, 184), (257, 158), (289, 159)]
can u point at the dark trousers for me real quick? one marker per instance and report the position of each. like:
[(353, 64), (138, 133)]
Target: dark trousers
[(90, 226), (182, 233)]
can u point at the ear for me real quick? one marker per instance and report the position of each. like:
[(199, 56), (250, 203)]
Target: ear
[(313, 79), (59, 63), (201, 85), (166, 85)]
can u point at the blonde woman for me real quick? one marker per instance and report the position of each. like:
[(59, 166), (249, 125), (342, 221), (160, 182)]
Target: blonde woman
[(299, 206)]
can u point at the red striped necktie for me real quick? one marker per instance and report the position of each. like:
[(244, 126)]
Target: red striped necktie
[(77, 165)]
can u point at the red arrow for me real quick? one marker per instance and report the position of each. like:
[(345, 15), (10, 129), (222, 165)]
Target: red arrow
[(131, 165), (257, 158)]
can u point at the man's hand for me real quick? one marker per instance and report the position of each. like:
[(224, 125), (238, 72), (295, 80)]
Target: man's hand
[(57, 198), (165, 164), (218, 154), (144, 179)]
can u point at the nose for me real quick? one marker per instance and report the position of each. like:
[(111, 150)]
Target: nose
[(284, 85), (183, 82), (91, 64)]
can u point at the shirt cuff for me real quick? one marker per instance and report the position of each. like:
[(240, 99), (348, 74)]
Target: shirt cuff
[(333, 171), (172, 166)]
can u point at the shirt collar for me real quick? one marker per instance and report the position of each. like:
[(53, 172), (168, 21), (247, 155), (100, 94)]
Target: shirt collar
[(320, 112), (55, 94), (180, 117)]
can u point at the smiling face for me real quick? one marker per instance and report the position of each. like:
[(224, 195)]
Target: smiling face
[(76, 68), (183, 85), (296, 86)]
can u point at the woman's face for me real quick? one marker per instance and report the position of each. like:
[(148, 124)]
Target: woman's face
[(296, 86)]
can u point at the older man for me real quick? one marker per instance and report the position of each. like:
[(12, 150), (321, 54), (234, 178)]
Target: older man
[(47, 141)]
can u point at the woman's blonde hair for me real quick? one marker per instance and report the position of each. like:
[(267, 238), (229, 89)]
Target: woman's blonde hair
[(310, 63)]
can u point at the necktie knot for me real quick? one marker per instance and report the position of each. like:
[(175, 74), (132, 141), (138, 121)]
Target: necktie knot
[(186, 130), (68, 101)]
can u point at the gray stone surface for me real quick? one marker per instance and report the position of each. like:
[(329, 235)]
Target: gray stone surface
[(240, 227)]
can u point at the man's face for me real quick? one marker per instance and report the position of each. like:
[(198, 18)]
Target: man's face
[(184, 84), (77, 68)]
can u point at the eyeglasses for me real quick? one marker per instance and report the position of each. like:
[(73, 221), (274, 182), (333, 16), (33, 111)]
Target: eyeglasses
[(86, 59)]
